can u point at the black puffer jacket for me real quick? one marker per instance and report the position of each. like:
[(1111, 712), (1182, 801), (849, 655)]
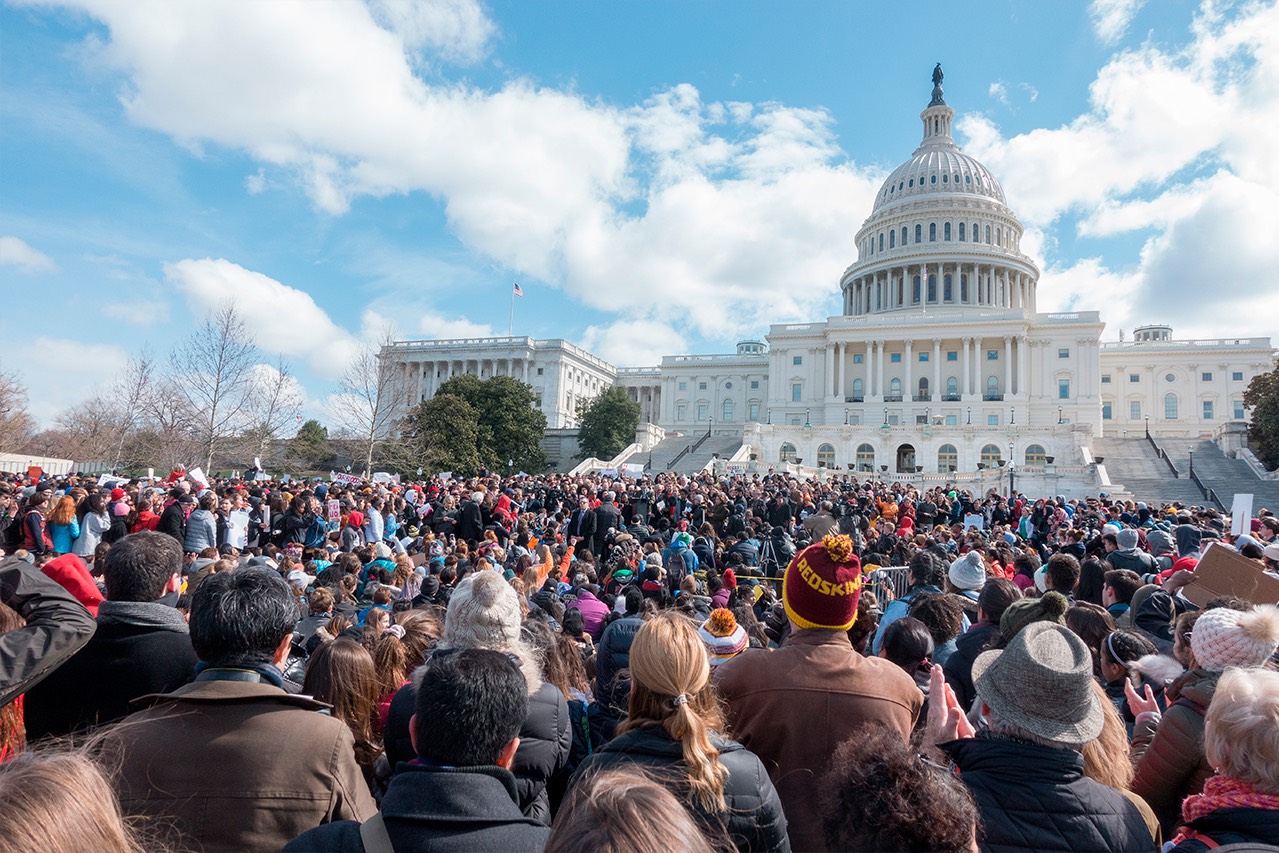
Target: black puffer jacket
[(754, 818), (1231, 826), (545, 739), (612, 655), (1036, 798)]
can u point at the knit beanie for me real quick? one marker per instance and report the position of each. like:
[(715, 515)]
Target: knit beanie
[(1223, 637), (1049, 607), (722, 636), (484, 613), (1127, 538), (967, 572), (823, 584)]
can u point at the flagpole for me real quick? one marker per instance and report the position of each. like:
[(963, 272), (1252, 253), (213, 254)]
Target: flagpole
[(510, 324)]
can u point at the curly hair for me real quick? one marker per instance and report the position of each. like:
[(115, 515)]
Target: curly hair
[(880, 796)]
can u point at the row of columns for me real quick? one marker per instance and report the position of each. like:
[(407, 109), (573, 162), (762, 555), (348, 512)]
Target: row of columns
[(649, 398), (970, 382), (893, 288), (426, 376)]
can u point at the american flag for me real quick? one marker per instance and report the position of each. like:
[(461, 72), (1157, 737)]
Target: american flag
[(518, 291)]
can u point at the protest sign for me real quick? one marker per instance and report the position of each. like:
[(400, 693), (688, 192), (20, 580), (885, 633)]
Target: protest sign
[(196, 475), (1222, 571), (633, 469), (349, 479), (974, 520), (237, 527), (334, 507), (1241, 515)]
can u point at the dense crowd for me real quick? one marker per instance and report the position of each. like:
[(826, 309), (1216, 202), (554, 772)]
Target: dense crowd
[(669, 663)]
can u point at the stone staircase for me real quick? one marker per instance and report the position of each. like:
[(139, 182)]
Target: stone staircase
[(1135, 469), (1224, 475), (674, 454)]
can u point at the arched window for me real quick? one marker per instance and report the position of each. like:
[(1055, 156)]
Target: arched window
[(728, 410), (904, 233), (947, 458), (865, 458), (892, 239), (990, 455), (1036, 455), (857, 390), (952, 386), (999, 236), (915, 292), (992, 386), (987, 233), (932, 288), (787, 453), (881, 241), (879, 296), (963, 287), (932, 230), (976, 233), (895, 388), (826, 456), (681, 412), (947, 289), (923, 388), (945, 231), (961, 232), (919, 233), (1170, 407)]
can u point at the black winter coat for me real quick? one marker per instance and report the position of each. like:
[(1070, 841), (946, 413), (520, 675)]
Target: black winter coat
[(754, 818), (57, 627), (545, 739), (1232, 826), (440, 810), (959, 666), (470, 522), (612, 655), (125, 659), (1036, 798), (173, 521)]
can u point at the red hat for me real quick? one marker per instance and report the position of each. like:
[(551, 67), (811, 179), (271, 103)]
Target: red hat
[(117, 494), (729, 579), (823, 584)]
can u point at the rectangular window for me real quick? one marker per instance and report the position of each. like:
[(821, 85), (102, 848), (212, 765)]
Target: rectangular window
[(952, 420), (1063, 389), (1238, 415), (923, 356), (895, 357), (1237, 376), (796, 392), (794, 421), (1206, 377), (539, 371), (701, 386), (992, 355), (858, 358), (754, 412), (921, 420), (754, 384), (992, 420), (1105, 379), (1134, 377), (1207, 410), (1063, 353), (855, 420), (701, 411), (797, 360), (894, 420), (1134, 410), (952, 356), (683, 386), (1107, 412)]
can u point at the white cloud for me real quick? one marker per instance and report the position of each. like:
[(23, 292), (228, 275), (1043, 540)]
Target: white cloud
[(66, 373), (1110, 18), (999, 92), (633, 343), (282, 319), (456, 30), (140, 313), (435, 326), (15, 252)]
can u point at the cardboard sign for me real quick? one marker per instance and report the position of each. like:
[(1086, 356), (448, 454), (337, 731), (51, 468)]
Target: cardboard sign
[(349, 479), (1241, 515), (446, 475), (608, 473), (237, 527), (633, 469), (383, 477), (978, 521), (334, 509), (34, 472), (1222, 571), (418, 559), (196, 475)]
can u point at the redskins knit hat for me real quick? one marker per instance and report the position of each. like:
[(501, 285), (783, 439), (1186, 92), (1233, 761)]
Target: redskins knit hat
[(1223, 637), (722, 636), (823, 584)]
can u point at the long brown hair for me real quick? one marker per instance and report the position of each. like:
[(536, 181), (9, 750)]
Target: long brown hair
[(670, 688), (396, 657), (342, 674), (1106, 756)]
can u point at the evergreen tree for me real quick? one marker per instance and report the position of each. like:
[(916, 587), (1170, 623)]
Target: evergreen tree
[(1262, 397), (608, 424)]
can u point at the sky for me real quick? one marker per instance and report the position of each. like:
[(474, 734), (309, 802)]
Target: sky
[(659, 177)]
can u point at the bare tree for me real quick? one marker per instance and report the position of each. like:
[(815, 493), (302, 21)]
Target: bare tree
[(371, 403), (274, 407), (213, 370), (168, 433), (89, 431), (130, 395), (16, 423)]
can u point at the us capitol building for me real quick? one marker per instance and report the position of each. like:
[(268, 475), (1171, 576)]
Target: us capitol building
[(940, 363)]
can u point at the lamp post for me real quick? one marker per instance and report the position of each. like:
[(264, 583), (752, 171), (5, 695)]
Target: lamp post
[(1013, 420), (1012, 473), (885, 416), (845, 417), (928, 415), (1059, 414), (770, 417), (970, 415), (710, 425), (807, 419), (1147, 427), (1192, 465)]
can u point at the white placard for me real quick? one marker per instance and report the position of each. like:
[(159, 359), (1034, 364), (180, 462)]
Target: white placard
[(237, 528), (978, 521), (1241, 515)]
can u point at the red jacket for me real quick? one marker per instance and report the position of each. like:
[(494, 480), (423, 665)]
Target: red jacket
[(73, 575)]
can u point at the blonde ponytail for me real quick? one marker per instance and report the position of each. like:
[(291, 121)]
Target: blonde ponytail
[(670, 688)]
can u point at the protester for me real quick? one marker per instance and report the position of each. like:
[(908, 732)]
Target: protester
[(673, 725), (57, 626), (341, 674), (197, 757)]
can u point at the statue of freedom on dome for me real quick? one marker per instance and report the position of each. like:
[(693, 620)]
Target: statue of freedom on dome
[(937, 75)]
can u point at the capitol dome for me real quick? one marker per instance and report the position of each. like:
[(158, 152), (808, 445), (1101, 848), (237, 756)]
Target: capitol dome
[(940, 235)]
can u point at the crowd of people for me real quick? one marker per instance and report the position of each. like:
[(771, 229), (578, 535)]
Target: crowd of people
[(665, 663)]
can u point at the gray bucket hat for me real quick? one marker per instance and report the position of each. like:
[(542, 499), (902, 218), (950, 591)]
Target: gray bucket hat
[(1043, 683)]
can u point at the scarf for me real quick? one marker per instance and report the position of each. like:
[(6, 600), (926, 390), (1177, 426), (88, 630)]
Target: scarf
[(143, 614), (1223, 792)]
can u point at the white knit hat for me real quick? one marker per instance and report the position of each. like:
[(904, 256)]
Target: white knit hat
[(1223, 637), (483, 612), (968, 572)]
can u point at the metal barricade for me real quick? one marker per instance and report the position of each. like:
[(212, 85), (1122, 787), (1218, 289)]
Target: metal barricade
[(888, 583)]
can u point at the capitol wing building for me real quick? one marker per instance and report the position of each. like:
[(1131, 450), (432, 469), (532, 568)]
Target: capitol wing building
[(939, 365)]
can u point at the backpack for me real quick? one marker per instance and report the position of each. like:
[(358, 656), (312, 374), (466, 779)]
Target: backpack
[(316, 533)]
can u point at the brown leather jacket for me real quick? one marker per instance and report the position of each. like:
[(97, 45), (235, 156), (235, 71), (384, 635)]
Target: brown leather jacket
[(792, 707), (1169, 755), (237, 766)]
